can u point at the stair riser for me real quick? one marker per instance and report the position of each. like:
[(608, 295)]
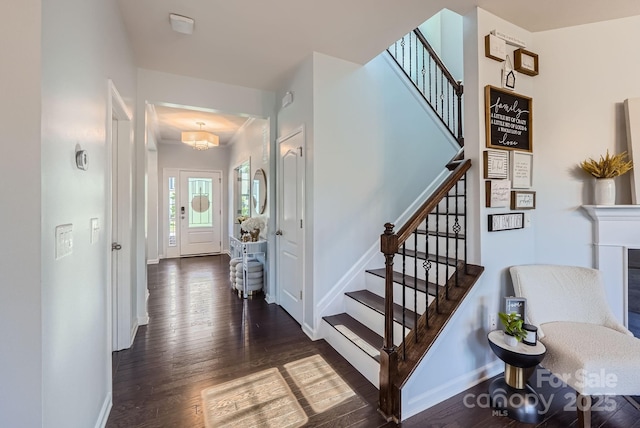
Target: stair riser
[(443, 271), (366, 365), (375, 284), (372, 319)]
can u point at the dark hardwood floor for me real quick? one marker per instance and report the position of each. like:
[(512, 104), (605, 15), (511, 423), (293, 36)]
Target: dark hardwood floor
[(201, 334)]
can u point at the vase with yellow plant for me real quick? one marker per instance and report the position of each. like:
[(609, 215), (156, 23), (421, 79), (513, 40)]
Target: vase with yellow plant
[(604, 170)]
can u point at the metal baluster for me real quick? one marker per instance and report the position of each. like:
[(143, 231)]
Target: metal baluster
[(404, 304), (415, 284), (426, 250), (466, 231), (456, 230), (437, 281), (447, 242)]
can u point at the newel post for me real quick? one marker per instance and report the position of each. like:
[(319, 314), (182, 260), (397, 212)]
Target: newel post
[(388, 356)]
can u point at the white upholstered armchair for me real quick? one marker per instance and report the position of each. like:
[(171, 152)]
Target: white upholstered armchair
[(582, 337)]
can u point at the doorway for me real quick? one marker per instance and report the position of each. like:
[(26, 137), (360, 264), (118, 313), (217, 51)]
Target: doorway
[(120, 240), (193, 212)]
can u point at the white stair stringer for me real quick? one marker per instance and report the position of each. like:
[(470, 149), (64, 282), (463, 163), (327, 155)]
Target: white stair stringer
[(363, 362)]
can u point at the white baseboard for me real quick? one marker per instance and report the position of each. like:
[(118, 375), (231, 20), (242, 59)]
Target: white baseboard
[(144, 320), (422, 402), (153, 261), (104, 411), (270, 298), (313, 335), (134, 331)]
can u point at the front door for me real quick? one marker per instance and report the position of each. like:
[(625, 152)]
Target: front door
[(290, 224), (200, 212)]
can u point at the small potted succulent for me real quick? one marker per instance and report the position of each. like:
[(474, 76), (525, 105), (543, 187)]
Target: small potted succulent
[(513, 331)]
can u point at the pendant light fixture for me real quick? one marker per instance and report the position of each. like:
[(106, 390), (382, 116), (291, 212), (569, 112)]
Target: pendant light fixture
[(200, 140)]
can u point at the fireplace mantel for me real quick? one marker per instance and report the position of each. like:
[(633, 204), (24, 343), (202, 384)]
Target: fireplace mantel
[(616, 229)]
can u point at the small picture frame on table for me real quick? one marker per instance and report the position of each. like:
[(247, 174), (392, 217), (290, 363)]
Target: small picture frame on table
[(515, 304)]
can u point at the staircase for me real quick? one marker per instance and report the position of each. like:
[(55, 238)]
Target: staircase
[(388, 327)]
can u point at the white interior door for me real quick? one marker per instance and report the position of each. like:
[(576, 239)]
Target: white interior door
[(122, 311), (290, 224), (200, 212), (115, 246)]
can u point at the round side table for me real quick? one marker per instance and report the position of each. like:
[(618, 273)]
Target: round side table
[(511, 393)]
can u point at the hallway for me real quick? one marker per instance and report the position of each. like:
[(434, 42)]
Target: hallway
[(201, 334)]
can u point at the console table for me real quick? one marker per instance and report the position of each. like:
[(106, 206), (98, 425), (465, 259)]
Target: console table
[(249, 250), (519, 362)]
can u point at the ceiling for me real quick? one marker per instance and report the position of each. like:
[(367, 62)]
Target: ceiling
[(257, 43), (171, 121)]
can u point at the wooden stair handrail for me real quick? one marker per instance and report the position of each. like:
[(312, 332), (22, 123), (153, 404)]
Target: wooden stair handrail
[(457, 85), (412, 224)]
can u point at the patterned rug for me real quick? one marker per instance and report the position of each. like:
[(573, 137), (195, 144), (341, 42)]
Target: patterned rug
[(258, 400), (320, 385)]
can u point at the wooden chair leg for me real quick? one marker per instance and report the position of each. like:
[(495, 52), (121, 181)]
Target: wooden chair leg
[(583, 404)]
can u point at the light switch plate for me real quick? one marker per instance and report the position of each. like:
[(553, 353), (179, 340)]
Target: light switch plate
[(95, 230), (64, 240)]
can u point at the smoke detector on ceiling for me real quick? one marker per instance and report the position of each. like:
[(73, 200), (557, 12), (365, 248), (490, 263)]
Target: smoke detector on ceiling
[(181, 24)]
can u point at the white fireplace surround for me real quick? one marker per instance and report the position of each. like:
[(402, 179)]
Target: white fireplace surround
[(616, 230)]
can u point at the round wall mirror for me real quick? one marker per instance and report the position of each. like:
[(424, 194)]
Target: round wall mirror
[(259, 191)]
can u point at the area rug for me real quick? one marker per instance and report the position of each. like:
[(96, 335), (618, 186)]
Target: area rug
[(261, 400), (320, 385)]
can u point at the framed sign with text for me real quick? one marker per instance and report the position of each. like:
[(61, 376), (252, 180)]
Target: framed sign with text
[(509, 221), (521, 170), (523, 200), (508, 119)]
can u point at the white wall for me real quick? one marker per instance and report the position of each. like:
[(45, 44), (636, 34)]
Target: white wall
[(444, 32), (579, 114), (20, 187), (252, 141), (181, 156), (463, 347), (290, 118), (83, 44), (376, 150)]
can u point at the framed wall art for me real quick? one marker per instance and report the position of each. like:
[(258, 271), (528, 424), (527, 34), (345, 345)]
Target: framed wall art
[(497, 193), (508, 119), (509, 221), (521, 170), (523, 200), (525, 62), (496, 164)]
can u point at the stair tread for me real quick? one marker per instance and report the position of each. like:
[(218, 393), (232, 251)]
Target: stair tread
[(361, 336), (409, 281), (431, 257), (376, 303), (440, 234)]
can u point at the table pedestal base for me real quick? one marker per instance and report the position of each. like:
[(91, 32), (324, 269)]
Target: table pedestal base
[(523, 405)]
